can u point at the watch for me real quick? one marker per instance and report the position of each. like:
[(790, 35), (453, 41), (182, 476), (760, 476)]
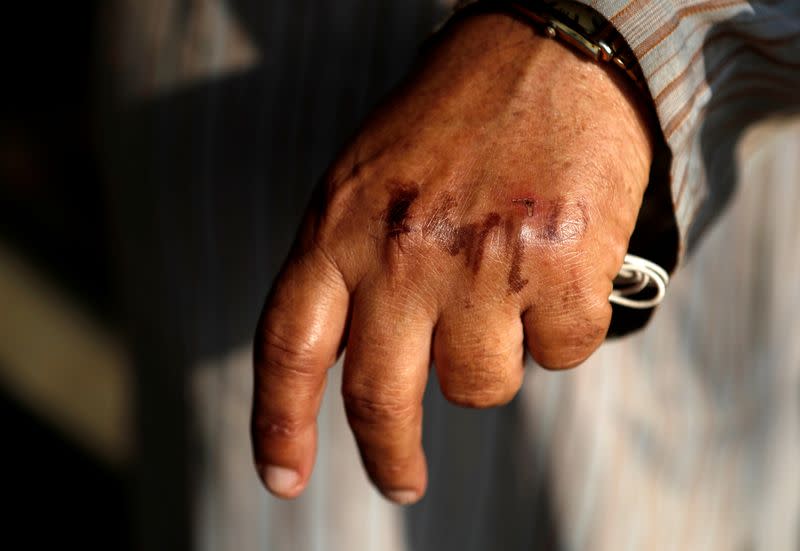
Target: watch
[(581, 27)]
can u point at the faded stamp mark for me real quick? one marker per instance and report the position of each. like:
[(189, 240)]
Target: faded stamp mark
[(396, 214), (471, 239)]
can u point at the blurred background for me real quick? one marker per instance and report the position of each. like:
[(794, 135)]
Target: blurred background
[(155, 157), (66, 383)]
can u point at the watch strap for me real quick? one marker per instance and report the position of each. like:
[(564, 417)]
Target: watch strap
[(567, 21)]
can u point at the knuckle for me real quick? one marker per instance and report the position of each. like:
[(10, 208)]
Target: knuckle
[(591, 318), (339, 198), (573, 347), (285, 354), (350, 168), (487, 353), (336, 200), (579, 291), (569, 333), (368, 407), (270, 426), (617, 249), (585, 307), (333, 215), (561, 223)]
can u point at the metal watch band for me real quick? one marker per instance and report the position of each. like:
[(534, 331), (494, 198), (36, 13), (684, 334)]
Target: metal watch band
[(602, 42)]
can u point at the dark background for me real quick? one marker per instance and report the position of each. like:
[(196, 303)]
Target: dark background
[(52, 213), (148, 213)]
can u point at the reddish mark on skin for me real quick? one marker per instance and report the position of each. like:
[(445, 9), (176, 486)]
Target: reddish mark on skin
[(471, 239), (555, 220), (515, 281), (439, 226), (513, 239), (552, 228), (396, 214), (528, 203), (565, 222), (551, 221)]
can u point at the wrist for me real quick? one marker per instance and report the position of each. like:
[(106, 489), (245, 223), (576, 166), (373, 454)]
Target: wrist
[(501, 55)]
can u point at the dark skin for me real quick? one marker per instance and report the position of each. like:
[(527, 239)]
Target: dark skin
[(483, 210)]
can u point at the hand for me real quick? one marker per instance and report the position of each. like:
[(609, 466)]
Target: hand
[(486, 207)]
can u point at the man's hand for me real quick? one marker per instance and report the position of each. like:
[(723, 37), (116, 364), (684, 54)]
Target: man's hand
[(486, 207)]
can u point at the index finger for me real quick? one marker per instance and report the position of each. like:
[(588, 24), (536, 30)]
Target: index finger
[(297, 340)]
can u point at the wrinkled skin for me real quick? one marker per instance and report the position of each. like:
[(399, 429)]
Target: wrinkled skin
[(484, 208)]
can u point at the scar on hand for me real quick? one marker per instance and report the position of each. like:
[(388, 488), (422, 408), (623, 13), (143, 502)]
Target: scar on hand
[(528, 203)]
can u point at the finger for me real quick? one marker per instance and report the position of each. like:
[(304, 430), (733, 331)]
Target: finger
[(296, 342), (386, 368), (567, 323), (478, 351)]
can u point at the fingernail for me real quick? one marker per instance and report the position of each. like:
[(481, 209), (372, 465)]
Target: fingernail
[(280, 480), (403, 497)]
